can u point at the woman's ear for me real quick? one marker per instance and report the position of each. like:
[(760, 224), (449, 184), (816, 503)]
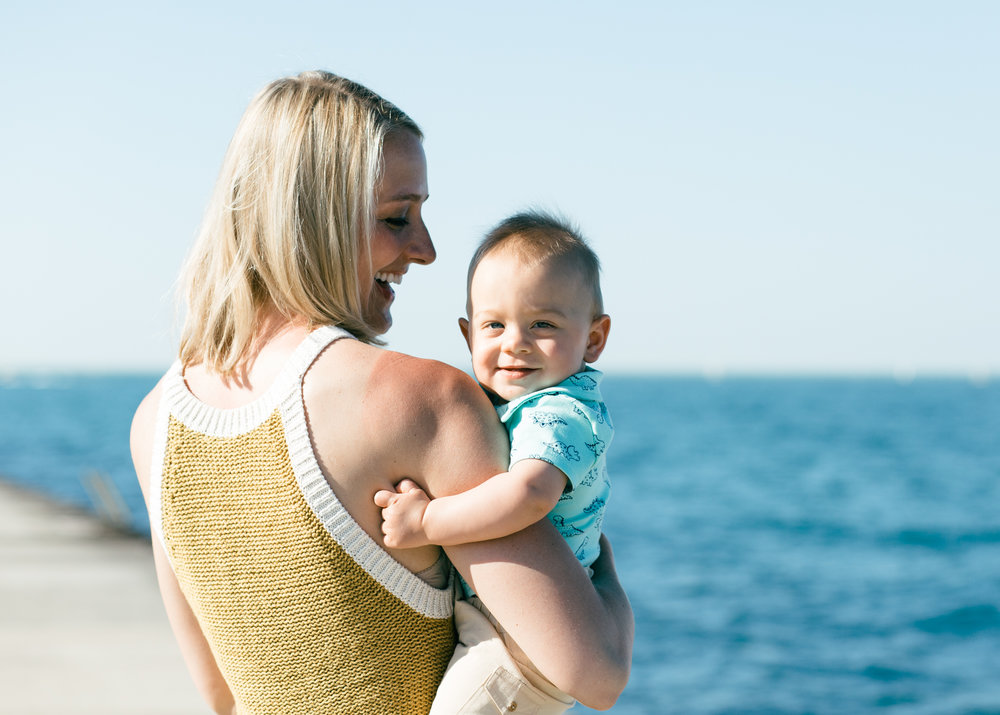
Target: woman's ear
[(463, 325), (597, 338)]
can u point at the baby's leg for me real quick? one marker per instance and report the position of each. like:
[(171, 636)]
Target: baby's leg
[(483, 677)]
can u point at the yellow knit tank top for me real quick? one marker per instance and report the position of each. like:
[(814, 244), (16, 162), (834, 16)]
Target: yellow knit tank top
[(304, 612)]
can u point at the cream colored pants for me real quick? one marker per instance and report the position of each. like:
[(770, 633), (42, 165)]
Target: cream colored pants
[(483, 678)]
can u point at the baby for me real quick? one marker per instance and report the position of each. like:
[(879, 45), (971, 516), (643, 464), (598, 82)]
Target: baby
[(535, 319)]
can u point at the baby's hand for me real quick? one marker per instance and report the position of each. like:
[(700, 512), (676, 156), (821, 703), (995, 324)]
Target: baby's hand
[(402, 515)]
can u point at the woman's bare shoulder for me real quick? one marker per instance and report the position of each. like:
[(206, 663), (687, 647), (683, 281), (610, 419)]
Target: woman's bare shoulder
[(141, 434), (443, 396), (429, 415), (430, 379), (390, 377)]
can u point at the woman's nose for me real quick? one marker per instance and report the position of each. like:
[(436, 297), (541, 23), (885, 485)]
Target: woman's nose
[(421, 247)]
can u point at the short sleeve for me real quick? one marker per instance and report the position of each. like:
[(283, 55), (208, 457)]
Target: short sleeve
[(556, 429)]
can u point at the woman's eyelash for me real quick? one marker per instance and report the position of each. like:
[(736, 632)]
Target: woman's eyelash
[(397, 222)]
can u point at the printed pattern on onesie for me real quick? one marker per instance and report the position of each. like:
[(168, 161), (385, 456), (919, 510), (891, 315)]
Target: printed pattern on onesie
[(568, 426)]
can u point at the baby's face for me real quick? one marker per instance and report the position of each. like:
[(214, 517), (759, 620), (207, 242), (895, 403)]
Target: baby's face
[(530, 326)]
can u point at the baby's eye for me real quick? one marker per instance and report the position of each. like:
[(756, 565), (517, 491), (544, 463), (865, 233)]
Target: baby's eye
[(494, 325), (544, 325)]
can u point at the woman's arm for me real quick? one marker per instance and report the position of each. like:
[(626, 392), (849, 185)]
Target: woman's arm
[(609, 589), (194, 648), (577, 633)]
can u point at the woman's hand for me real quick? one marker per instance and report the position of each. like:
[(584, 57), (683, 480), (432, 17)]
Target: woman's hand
[(403, 514)]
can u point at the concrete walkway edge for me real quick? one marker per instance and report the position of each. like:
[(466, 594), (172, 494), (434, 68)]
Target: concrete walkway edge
[(82, 628)]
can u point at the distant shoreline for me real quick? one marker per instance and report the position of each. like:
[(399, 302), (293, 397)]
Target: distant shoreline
[(41, 378)]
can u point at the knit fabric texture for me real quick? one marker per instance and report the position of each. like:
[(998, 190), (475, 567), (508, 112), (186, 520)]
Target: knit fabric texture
[(303, 611)]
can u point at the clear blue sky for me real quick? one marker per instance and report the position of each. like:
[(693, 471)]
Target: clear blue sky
[(773, 187)]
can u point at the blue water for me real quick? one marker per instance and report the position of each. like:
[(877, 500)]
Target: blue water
[(789, 545)]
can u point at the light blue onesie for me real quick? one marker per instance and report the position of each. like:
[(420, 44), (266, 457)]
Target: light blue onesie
[(568, 426)]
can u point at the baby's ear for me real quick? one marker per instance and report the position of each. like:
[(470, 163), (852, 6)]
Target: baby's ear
[(463, 325), (597, 338)]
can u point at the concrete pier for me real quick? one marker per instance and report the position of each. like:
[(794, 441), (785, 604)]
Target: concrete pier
[(82, 628)]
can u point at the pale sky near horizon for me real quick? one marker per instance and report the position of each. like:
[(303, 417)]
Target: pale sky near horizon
[(776, 187)]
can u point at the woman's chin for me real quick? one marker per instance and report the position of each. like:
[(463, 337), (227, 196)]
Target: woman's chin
[(378, 314), (380, 323)]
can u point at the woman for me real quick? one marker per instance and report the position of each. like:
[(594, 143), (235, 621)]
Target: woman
[(260, 451)]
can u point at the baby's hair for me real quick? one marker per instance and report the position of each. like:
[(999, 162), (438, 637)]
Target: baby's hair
[(537, 236)]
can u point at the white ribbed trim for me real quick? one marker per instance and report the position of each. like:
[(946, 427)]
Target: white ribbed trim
[(396, 578), (286, 394), (216, 422)]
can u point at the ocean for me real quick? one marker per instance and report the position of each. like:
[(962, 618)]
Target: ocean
[(789, 545)]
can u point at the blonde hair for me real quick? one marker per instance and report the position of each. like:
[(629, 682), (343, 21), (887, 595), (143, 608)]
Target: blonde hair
[(291, 215)]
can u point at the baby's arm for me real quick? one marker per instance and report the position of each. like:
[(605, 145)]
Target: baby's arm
[(502, 505)]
